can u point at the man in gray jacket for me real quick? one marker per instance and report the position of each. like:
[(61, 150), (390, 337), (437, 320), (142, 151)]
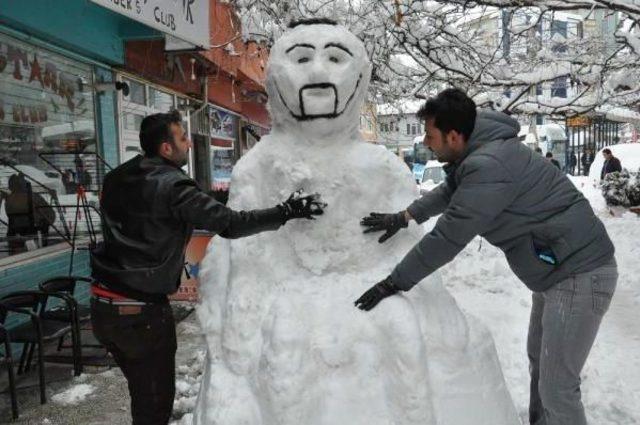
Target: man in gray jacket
[(499, 189)]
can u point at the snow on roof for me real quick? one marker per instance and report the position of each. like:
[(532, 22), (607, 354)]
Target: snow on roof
[(621, 114), (406, 106)]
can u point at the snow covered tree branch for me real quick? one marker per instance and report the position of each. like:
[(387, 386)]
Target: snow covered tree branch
[(523, 56)]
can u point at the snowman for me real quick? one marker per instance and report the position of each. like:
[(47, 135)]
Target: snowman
[(286, 346)]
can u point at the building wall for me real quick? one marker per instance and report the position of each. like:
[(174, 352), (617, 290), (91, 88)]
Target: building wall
[(402, 138)]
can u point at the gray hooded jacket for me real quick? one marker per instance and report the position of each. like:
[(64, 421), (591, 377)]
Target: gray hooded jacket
[(517, 201)]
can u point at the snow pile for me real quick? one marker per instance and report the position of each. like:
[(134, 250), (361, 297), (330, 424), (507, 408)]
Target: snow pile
[(614, 188), (188, 378), (483, 285), (73, 395), (285, 343)]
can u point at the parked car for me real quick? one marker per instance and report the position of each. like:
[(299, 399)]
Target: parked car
[(432, 176)]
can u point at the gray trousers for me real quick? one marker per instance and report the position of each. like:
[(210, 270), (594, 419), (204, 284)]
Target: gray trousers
[(563, 325)]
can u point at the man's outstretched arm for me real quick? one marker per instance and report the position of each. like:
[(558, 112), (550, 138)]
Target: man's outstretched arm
[(190, 204), (429, 205), (486, 189)]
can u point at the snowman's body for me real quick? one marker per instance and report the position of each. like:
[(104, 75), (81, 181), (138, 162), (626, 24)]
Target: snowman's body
[(286, 344)]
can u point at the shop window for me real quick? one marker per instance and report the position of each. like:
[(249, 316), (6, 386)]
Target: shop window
[(136, 93), (408, 129), (47, 144), (132, 121), (159, 100)]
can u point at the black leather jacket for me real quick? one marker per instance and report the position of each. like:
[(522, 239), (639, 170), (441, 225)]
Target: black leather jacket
[(149, 210)]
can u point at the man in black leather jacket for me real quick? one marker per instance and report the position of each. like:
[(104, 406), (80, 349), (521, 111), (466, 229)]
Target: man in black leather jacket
[(149, 209)]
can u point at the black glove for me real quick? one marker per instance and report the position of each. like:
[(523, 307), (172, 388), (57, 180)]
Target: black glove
[(377, 222), (299, 205), (375, 294)]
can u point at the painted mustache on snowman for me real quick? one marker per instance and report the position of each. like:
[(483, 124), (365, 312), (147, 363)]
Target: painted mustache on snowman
[(311, 92)]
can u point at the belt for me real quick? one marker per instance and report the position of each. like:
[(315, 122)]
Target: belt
[(104, 295), (111, 301)]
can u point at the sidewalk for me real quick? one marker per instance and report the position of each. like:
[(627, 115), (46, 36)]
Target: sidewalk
[(100, 395)]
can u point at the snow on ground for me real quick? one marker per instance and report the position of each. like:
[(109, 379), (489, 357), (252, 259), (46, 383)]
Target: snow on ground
[(484, 287), (74, 395)]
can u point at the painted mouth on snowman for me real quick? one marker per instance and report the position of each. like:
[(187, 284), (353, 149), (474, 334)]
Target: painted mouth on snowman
[(318, 100)]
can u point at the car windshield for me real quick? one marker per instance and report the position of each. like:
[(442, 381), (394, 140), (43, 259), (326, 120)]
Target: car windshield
[(436, 174)]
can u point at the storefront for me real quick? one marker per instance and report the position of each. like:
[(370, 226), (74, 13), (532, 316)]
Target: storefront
[(58, 131), (48, 143)]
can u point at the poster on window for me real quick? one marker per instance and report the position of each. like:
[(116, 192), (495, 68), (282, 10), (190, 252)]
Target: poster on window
[(221, 168), (223, 124)]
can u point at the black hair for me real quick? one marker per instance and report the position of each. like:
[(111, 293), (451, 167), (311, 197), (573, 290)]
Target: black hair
[(607, 151), (156, 129), (452, 109), (312, 21), (538, 150), (548, 155)]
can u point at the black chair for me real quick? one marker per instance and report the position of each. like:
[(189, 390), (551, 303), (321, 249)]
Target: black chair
[(7, 361), (33, 334), (26, 303), (66, 285)]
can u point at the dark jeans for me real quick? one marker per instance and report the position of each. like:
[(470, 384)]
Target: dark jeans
[(564, 322), (143, 344)]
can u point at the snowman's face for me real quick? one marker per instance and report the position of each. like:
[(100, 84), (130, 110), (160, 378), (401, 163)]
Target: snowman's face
[(317, 71)]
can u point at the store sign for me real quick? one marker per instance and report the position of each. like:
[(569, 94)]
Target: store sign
[(578, 121), (40, 89), (187, 20), (223, 124)]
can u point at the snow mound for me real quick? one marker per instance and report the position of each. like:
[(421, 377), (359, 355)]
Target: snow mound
[(73, 395)]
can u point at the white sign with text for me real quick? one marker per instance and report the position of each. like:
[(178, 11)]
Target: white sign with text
[(187, 20)]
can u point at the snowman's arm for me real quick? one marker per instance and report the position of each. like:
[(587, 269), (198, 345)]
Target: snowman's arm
[(190, 204), (431, 203)]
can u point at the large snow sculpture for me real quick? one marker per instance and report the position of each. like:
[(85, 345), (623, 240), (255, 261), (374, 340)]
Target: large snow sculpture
[(285, 343)]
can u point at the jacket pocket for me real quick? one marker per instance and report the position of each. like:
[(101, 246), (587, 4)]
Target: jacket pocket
[(524, 260)]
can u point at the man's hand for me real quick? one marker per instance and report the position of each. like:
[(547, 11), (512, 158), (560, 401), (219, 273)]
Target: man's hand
[(391, 223), (299, 205), (375, 294)]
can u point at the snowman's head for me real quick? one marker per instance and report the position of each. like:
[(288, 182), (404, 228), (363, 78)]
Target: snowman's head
[(317, 78)]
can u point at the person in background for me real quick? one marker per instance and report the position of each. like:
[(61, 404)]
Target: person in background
[(549, 157), (28, 214), (611, 163), (572, 162), (83, 177), (538, 151), (586, 160)]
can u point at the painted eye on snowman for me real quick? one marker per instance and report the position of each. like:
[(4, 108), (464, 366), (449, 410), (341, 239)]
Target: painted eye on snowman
[(334, 59), (303, 60)]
